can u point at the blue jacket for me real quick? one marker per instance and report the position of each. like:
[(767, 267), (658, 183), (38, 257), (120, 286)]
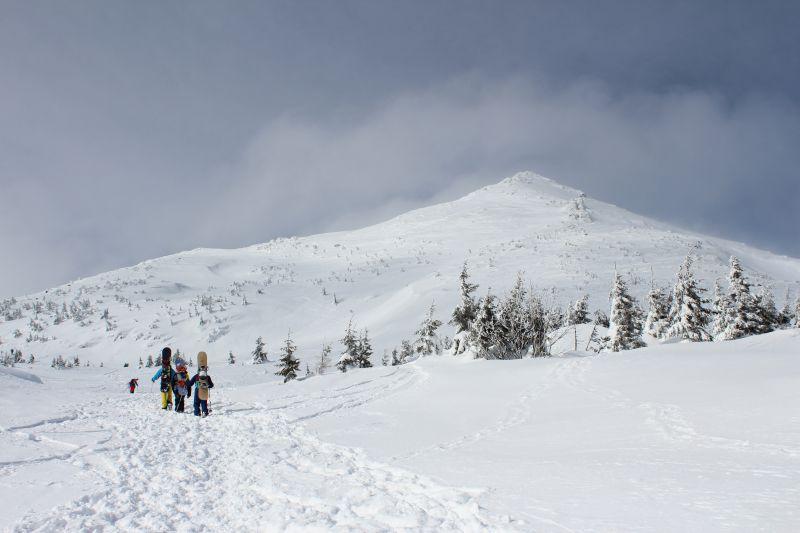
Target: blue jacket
[(158, 375)]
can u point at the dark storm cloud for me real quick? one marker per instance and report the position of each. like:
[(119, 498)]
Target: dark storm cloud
[(129, 131)]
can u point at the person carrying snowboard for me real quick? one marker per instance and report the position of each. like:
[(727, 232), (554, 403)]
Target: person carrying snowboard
[(133, 384), (167, 375), (180, 385), (202, 383)]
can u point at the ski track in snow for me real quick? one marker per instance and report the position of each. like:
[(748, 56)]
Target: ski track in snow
[(516, 414), (668, 420), (248, 467)]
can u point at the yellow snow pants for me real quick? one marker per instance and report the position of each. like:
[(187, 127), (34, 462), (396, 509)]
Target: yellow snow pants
[(166, 398)]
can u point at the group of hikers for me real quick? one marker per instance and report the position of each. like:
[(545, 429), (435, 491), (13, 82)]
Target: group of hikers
[(176, 382)]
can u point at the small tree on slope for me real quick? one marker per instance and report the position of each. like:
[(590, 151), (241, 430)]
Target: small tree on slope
[(288, 363), (349, 355), (427, 342), (260, 353), (513, 328), (579, 312), (720, 312), (766, 311), (324, 359), (625, 332), (657, 319), (742, 317), (687, 316), (485, 327), (465, 312), (364, 351)]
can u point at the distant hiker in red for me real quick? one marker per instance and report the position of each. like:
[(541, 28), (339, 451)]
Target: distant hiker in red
[(133, 384)]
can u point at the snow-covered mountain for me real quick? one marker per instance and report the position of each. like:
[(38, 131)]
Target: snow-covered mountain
[(384, 276)]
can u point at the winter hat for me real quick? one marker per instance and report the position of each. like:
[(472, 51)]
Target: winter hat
[(166, 352)]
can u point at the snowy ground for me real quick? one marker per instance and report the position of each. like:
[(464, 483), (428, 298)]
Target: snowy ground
[(677, 437)]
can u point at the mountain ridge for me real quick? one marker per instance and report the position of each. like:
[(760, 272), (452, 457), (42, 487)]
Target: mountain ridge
[(384, 276)]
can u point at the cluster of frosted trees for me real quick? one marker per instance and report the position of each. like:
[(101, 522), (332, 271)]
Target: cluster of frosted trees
[(683, 312), (525, 323)]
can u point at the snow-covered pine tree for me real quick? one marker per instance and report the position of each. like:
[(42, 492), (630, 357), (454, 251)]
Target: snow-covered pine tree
[(288, 363), (743, 315), (797, 313), (786, 315), (624, 332), (406, 352), (484, 328), (231, 358), (260, 353), (720, 312), (428, 342), (364, 351), (141, 363), (601, 319), (579, 311), (349, 355), (513, 329), (766, 311), (394, 358), (387, 358), (656, 321), (324, 359), (541, 322), (464, 313), (687, 316), (149, 361)]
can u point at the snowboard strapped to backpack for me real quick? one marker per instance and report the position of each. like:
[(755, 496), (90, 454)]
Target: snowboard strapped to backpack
[(202, 376)]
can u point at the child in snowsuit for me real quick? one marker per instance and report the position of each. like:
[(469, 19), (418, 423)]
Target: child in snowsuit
[(167, 375), (133, 384), (201, 382), (180, 385)]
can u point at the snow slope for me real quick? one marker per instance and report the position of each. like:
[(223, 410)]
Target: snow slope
[(385, 276), (676, 437)]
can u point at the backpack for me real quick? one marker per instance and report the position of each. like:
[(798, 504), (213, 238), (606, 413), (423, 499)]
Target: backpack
[(202, 387), (166, 374)]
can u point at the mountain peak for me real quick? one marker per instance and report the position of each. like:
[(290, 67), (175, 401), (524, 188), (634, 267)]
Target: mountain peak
[(529, 181)]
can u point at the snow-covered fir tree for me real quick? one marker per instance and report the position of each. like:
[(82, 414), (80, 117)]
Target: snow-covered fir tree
[(406, 352), (428, 342), (797, 313), (513, 328), (541, 321), (141, 363), (288, 363), (743, 317), (324, 359), (484, 329), (687, 316), (231, 358), (766, 311), (579, 311), (625, 332), (150, 361), (720, 312), (601, 319), (349, 357), (786, 315), (464, 313), (364, 350), (657, 319), (259, 354)]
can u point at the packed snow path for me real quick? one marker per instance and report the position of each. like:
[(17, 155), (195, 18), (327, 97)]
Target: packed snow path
[(248, 467)]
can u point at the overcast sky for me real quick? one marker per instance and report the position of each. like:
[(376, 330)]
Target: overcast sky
[(130, 130)]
